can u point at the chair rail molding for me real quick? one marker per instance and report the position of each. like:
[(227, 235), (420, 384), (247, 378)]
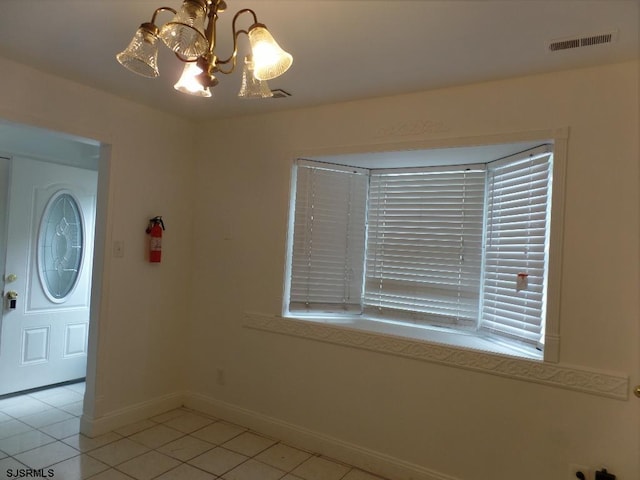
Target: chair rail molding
[(606, 384)]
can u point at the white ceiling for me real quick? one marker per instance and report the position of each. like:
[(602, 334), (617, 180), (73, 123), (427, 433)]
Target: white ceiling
[(343, 50)]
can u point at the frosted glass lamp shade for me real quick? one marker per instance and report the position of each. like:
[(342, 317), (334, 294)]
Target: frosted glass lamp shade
[(252, 87), (184, 34), (188, 82), (269, 60), (141, 56)]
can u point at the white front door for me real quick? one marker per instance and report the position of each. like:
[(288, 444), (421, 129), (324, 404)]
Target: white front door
[(49, 255)]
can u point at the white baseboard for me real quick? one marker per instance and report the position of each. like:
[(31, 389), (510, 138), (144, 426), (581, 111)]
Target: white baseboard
[(306, 439), (92, 427), (295, 435)]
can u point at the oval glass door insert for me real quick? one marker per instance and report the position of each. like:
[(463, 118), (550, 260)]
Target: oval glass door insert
[(60, 246)]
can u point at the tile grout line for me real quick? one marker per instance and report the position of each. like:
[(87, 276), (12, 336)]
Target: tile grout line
[(169, 420)]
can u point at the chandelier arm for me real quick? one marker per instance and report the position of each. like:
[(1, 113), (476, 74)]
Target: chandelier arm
[(236, 34), (244, 10), (159, 10), (233, 58)]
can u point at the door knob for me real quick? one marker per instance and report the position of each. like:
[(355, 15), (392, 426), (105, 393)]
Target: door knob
[(12, 277), (636, 391), (12, 299)]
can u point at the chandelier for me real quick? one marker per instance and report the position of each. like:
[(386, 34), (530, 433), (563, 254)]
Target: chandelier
[(191, 35)]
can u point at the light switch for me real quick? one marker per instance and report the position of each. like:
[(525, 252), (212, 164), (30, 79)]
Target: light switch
[(118, 248)]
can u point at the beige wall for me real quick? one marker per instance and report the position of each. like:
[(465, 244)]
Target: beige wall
[(466, 425), (460, 423), (141, 329)]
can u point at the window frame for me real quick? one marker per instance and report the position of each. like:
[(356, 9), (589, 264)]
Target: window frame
[(442, 336)]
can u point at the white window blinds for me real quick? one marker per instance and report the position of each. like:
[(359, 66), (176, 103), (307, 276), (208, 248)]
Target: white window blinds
[(328, 239), (517, 229), (424, 247), (431, 246)]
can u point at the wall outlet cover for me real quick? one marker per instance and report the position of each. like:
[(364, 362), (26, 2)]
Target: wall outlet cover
[(575, 469)]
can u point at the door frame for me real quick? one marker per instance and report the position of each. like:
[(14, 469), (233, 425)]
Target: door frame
[(99, 293), (100, 267)]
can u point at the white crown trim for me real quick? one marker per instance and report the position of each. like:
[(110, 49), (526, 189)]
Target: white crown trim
[(612, 385)]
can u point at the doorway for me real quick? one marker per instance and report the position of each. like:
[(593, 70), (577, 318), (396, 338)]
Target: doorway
[(48, 187)]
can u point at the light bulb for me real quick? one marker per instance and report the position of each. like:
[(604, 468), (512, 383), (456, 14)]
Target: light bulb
[(188, 82)]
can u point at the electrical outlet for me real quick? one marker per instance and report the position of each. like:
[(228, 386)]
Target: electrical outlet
[(574, 471), (220, 377), (118, 248)]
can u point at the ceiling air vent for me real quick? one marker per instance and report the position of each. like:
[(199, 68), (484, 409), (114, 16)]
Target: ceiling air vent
[(584, 41), (279, 93)]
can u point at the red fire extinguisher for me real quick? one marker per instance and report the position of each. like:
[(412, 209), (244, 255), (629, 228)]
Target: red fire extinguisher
[(155, 229)]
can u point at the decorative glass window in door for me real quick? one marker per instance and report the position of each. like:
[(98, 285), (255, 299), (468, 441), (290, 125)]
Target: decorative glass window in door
[(60, 246)]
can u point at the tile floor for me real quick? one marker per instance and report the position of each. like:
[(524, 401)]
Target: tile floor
[(41, 431)]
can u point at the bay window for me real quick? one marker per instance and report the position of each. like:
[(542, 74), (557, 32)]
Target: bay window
[(457, 247)]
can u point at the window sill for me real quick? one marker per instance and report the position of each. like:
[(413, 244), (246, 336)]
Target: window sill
[(436, 345), (424, 333)]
